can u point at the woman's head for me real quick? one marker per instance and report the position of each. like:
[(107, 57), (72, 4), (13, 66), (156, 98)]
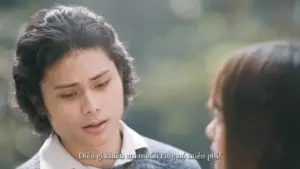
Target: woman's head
[(256, 99), (71, 69)]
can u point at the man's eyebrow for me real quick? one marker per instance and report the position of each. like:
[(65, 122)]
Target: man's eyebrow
[(102, 73), (62, 86)]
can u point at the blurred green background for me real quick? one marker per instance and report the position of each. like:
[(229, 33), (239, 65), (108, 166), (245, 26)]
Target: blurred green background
[(178, 46)]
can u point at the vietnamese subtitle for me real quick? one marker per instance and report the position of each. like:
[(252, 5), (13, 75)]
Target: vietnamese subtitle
[(173, 157)]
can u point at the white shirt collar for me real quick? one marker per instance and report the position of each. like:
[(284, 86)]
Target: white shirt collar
[(53, 155)]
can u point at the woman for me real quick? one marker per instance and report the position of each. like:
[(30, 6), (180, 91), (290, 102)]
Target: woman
[(256, 100)]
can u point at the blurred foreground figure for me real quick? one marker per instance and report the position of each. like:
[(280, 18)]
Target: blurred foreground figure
[(73, 79), (256, 101)]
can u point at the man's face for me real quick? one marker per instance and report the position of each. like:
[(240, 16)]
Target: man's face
[(81, 89)]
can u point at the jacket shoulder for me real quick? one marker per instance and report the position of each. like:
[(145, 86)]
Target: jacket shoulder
[(169, 156)]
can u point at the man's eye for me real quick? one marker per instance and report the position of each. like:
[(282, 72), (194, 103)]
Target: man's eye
[(102, 84), (68, 96)]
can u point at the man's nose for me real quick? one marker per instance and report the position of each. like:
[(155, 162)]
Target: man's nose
[(91, 103)]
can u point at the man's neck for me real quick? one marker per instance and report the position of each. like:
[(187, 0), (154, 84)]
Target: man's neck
[(111, 146)]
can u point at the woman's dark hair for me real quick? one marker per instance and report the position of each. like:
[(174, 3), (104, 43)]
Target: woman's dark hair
[(258, 95), (49, 35)]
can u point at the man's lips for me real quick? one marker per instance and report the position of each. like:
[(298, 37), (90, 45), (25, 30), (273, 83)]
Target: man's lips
[(96, 127), (95, 123)]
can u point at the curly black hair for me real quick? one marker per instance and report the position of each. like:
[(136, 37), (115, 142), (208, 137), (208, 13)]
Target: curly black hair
[(48, 36)]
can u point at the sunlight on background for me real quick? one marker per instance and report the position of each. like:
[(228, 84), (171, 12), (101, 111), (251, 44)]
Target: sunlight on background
[(186, 9)]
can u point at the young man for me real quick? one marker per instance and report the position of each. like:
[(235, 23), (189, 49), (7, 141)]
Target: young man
[(73, 79)]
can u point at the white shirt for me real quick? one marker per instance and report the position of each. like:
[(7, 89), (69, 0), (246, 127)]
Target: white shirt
[(54, 156)]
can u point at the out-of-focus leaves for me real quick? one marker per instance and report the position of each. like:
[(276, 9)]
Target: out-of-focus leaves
[(25, 143)]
